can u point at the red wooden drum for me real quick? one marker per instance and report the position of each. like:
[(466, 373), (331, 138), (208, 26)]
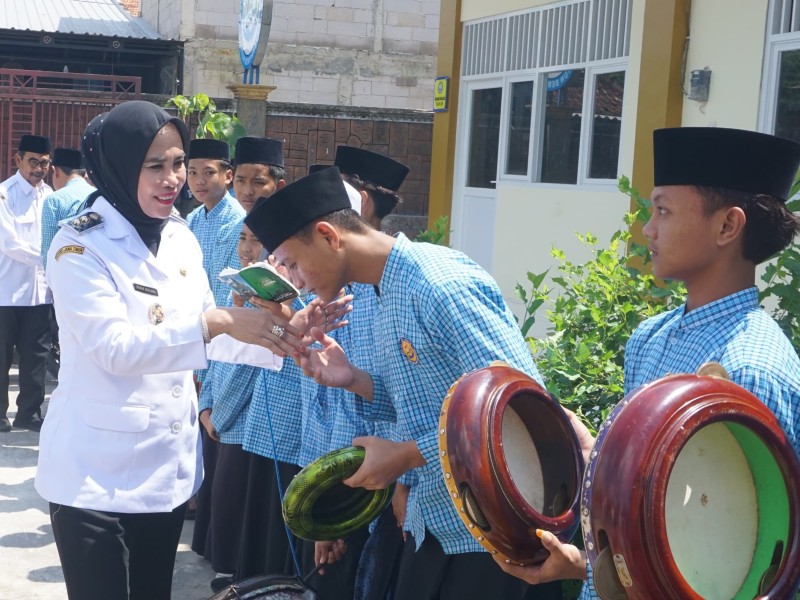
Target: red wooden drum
[(511, 461), (691, 492)]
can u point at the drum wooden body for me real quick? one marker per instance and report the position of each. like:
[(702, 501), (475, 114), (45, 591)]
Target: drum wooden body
[(691, 492), (511, 462)]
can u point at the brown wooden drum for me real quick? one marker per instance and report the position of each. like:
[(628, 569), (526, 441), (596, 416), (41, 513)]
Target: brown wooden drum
[(511, 461), (691, 492)]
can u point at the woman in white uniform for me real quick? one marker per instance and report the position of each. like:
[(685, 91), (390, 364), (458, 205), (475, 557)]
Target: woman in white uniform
[(119, 454)]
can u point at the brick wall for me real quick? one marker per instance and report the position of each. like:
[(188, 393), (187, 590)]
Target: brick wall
[(311, 134)]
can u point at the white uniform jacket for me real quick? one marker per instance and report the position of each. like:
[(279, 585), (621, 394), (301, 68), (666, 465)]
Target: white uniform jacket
[(121, 432), (21, 270)]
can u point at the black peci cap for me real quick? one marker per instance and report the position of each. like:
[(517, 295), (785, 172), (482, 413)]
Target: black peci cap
[(734, 159), (371, 167), (209, 148), (317, 167), (34, 143), (265, 151), (291, 208), (67, 158)]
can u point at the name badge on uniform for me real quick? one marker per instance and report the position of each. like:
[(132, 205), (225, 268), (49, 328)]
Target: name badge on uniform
[(156, 313), (145, 290)]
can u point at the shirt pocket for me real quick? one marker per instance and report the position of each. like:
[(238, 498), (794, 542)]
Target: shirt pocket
[(115, 417)]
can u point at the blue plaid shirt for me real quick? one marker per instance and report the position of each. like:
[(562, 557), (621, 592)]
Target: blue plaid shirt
[(733, 331), (60, 205), (332, 417), (439, 315), (227, 391), (207, 227), (225, 255), (281, 389)]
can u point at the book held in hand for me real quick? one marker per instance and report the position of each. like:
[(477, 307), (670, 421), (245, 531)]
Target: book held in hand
[(259, 279)]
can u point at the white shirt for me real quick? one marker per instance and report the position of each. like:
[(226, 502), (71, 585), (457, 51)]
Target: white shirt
[(21, 241), (121, 432)]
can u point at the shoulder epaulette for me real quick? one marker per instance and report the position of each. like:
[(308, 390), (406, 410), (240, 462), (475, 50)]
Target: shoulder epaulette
[(83, 223)]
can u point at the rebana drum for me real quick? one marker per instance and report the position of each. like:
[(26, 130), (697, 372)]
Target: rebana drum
[(691, 492), (318, 506), (511, 462)]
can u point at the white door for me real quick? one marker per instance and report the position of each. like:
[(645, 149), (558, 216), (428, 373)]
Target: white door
[(474, 189)]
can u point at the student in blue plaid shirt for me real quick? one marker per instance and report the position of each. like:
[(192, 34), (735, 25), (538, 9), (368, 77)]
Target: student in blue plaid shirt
[(71, 192), (718, 211), (439, 315)]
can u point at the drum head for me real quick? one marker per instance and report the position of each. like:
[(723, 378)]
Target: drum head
[(318, 506), (726, 512)]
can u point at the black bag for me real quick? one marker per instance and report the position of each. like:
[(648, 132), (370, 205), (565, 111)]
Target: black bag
[(275, 587)]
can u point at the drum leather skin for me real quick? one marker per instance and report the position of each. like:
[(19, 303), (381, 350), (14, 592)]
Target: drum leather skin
[(318, 506), (484, 486), (625, 512)]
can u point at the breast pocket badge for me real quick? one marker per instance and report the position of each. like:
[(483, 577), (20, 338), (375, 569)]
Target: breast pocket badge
[(156, 313)]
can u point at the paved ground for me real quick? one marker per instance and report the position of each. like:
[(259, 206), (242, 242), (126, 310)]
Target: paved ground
[(28, 556)]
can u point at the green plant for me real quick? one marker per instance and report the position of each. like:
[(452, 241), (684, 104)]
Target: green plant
[(782, 279), (592, 313), (210, 122), (437, 234)]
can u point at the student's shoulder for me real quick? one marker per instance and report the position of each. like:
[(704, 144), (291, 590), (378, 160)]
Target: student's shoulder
[(760, 343)]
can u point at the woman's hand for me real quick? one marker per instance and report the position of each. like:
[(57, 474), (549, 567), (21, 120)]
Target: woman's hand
[(565, 562), (254, 326)]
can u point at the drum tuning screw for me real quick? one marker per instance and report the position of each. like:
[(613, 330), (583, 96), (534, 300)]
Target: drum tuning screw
[(442, 453), (480, 538), (494, 551), (471, 525), (447, 476), (585, 511), (590, 545), (594, 454), (455, 495), (588, 484), (441, 431), (508, 561)]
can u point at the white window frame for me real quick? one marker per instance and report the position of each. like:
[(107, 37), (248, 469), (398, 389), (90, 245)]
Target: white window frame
[(538, 75)]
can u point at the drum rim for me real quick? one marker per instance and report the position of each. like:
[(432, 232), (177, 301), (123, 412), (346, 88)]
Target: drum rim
[(500, 401), (751, 417), (637, 549)]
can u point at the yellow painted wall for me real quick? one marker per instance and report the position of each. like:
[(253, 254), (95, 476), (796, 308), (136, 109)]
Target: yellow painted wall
[(529, 224), (728, 36)]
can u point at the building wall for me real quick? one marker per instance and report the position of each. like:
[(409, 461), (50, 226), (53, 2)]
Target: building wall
[(733, 48), (377, 53)]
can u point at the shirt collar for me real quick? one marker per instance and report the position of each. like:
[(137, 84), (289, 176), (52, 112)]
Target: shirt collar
[(390, 272), (739, 302), (27, 188)]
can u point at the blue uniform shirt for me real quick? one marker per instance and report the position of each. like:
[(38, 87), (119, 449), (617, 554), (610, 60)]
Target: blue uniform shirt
[(60, 205), (207, 227), (733, 331), (281, 389), (439, 315)]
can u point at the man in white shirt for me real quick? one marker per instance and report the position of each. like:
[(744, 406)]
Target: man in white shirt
[(24, 312)]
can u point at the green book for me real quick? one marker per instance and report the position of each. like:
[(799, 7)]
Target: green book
[(259, 279)]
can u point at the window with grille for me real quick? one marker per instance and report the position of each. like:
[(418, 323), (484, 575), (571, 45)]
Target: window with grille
[(780, 100), (563, 67)]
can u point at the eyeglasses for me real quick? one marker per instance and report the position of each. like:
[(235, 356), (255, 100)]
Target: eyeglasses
[(35, 163)]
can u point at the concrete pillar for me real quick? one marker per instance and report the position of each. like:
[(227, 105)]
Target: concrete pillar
[(251, 106)]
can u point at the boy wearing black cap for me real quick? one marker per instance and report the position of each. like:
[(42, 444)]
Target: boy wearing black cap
[(208, 175), (438, 316), (71, 192), (24, 311), (718, 211)]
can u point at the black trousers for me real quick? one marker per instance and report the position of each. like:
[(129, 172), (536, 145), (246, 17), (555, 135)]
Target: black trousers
[(430, 574), (28, 329), (116, 556), (202, 517)]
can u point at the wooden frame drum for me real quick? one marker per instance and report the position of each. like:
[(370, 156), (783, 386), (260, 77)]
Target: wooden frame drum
[(511, 462), (691, 492)]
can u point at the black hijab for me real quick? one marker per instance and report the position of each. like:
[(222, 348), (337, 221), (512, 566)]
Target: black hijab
[(114, 147)]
